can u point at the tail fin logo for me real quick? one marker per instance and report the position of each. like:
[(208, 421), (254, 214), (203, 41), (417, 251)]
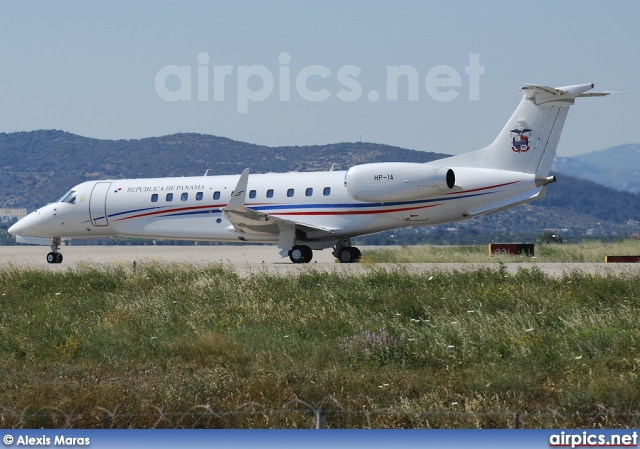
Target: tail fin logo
[(520, 140)]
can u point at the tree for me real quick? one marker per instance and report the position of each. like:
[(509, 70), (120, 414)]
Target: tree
[(549, 237)]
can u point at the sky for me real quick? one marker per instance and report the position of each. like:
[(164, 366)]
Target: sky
[(432, 76)]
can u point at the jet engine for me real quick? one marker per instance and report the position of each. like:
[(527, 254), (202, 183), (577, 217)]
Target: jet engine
[(397, 181)]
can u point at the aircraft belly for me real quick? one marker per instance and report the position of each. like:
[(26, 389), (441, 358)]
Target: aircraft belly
[(365, 225), (190, 228), (417, 215)]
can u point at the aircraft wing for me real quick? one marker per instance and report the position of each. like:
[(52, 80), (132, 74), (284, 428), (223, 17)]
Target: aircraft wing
[(247, 220)]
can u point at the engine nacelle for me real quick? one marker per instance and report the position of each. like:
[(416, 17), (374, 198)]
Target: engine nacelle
[(397, 181)]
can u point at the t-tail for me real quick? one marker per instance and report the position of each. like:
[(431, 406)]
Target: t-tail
[(528, 141)]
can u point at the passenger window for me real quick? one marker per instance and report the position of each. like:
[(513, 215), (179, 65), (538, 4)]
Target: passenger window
[(184, 196), (154, 198), (216, 195), (169, 197), (270, 193), (290, 193), (199, 196), (326, 191), (309, 191), (252, 194)]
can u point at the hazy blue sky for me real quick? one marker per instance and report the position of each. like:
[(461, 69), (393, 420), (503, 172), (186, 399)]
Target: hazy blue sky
[(309, 72)]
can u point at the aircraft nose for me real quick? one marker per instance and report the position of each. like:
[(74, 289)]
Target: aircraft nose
[(15, 229), (25, 225)]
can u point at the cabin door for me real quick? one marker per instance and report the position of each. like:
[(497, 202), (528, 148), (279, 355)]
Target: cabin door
[(98, 204)]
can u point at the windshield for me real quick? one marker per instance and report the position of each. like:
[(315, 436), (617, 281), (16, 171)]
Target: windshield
[(69, 197)]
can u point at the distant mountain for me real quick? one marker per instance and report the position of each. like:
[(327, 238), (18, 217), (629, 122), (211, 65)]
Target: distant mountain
[(616, 167), (38, 167)]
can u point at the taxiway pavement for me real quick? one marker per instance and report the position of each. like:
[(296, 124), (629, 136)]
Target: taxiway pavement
[(249, 259)]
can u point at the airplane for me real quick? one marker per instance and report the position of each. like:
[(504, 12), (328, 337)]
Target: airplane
[(306, 211)]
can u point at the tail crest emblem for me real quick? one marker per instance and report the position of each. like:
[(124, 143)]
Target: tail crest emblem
[(520, 140)]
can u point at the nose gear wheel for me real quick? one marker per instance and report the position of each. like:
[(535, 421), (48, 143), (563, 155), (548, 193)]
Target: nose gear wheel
[(54, 256)]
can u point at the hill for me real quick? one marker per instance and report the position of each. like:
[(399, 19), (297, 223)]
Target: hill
[(616, 167)]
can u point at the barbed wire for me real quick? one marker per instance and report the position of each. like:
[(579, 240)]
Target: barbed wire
[(296, 413)]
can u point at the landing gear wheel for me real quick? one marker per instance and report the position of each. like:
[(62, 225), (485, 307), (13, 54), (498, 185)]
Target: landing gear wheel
[(345, 253), (54, 257), (344, 256), (350, 254), (308, 253), (301, 254)]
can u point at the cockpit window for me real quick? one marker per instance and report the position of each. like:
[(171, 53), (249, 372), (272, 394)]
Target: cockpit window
[(69, 197)]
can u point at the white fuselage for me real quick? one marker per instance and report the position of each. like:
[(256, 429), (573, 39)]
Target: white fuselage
[(191, 207)]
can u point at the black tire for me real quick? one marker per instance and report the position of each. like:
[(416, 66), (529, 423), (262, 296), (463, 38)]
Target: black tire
[(52, 257), (345, 255), (308, 253), (349, 255), (356, 255), (300, 254), (59, 258)]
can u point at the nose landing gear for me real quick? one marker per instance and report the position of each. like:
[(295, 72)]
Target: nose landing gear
[(54, 256)]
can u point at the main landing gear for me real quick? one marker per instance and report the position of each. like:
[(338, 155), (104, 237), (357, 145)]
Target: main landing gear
[(345, 253), (54, 256), (301, 254)]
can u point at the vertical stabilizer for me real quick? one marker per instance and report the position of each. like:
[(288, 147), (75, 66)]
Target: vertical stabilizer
[(528, 141)]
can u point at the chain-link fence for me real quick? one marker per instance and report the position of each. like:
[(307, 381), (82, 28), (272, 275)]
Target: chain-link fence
[(297, 414)]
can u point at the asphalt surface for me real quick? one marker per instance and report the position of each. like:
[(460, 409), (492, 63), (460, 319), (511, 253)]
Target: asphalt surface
[(247, 260)]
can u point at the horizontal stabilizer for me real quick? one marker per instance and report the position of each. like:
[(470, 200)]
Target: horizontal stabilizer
[(601, 94), (545, 94)]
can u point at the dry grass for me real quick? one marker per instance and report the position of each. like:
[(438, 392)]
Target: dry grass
[(482, 341)]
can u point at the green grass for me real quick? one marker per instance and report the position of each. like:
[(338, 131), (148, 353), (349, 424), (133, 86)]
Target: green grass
[(590, 251), (481, 341)]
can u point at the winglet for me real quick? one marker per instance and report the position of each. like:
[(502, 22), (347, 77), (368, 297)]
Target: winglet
[(240, 192)]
